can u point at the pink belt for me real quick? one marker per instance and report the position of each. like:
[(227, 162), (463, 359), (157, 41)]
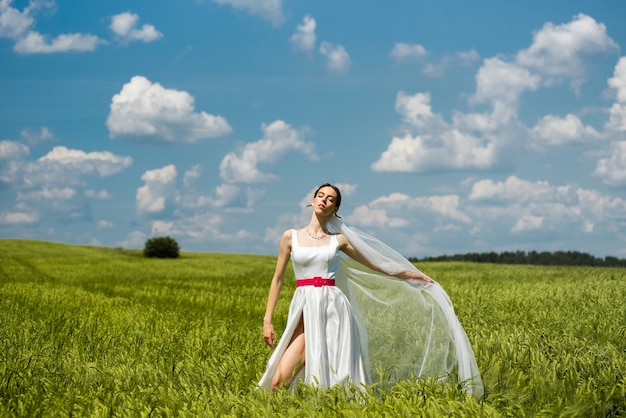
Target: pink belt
[(315, 281)]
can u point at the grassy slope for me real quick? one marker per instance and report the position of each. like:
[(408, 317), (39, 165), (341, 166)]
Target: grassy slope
[(102, 331)]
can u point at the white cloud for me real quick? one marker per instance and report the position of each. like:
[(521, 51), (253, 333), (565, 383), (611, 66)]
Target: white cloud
[(528, 223), (612, 170), (463, 58), (279, 138), (192, 175), (500, 81), (102, 194), (159, 188), (415, 109), (368, 217), (467, 57), (14, 23), (147, 110), (403, 51), (617, 119), (55, 193), (396, 210), (161, 228), (36, 43), (102, 224), (135, 239), (270, 10), (60, 167), (13, 218), (201, 227), (450, 150), (561, 50), (124, 25), (518, 190), (556, 131), (10, 150), (618, 81), (103, 163), (337, 58), (493, 139), (304, 38), (35, 138)]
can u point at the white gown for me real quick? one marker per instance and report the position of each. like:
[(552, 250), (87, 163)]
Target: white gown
[(333, 346), (371, 326)]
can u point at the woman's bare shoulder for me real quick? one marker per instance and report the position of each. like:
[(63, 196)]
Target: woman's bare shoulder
[(342, 240)]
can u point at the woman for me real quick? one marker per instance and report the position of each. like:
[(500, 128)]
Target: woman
[(348, 320)]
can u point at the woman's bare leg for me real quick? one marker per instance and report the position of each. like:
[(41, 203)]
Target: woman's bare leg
[(293, 359)]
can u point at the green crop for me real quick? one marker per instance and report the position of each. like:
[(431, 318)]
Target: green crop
[(92, 331)]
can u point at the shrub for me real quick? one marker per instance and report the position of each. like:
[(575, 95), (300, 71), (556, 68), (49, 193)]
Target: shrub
[(161, 247)]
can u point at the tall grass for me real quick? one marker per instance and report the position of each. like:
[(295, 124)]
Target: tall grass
[(94, 331)]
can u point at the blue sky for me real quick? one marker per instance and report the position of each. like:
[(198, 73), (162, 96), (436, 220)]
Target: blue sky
[(450, 127)]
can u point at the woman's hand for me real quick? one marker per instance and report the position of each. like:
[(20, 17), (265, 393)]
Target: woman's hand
[(409, 275), (268, 334)]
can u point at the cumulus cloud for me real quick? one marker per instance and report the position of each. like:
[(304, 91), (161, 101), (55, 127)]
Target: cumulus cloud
[(304, 38), (441, 146), (398, 210), (191, 175), (501, 81), (32, 139), (124, 25), (516, 189), (402, 51), (18, 218), (561, 50), (612, 170), (552, 212), (13, 22), (160, 187), (556, 131), (438, 68), (54, 193), (270, 10), (102, 224), (202, 227), (54, 186), (10, 150), (492, 139), (150, 112), (617, 119), (279, 138), (337, 58), (135, 239), (93, 194), (102, 163), (528, 223), (36, 43)]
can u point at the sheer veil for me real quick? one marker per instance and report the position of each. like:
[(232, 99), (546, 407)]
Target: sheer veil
[(408, 329)]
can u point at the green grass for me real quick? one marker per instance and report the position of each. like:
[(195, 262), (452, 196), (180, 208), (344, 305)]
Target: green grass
[(92, 331)]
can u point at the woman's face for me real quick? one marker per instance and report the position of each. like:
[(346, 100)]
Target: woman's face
[(325, 201)]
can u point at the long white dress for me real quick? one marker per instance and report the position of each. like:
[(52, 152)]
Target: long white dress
[(372, 327), (333, 347)]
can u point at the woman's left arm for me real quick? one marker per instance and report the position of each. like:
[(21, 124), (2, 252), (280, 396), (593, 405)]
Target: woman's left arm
[(346, 247)]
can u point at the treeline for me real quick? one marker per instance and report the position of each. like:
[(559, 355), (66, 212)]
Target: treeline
[(544, 258)]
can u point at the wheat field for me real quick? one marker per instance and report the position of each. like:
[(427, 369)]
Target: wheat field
[(91, 331)]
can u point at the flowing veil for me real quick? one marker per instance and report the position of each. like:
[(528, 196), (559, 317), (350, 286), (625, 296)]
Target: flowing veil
[(408, 329)]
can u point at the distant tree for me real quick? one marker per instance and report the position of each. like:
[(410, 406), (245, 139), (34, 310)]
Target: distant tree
[(557, 258), (161, 247)]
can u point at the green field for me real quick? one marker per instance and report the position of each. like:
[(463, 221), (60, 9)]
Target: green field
[(89, 331)]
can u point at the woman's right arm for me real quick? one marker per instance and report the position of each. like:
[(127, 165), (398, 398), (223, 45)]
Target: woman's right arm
[(284, 252)]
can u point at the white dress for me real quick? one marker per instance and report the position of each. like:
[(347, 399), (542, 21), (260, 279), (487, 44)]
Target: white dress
[(372, 326), (334, 352)]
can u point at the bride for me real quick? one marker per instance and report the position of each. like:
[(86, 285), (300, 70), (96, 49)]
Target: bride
[(365, 316)]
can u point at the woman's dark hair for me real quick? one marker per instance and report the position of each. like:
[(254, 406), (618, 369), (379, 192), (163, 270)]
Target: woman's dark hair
[(336, 189)]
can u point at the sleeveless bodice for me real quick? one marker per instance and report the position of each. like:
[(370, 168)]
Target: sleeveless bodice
[(314, 261)]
